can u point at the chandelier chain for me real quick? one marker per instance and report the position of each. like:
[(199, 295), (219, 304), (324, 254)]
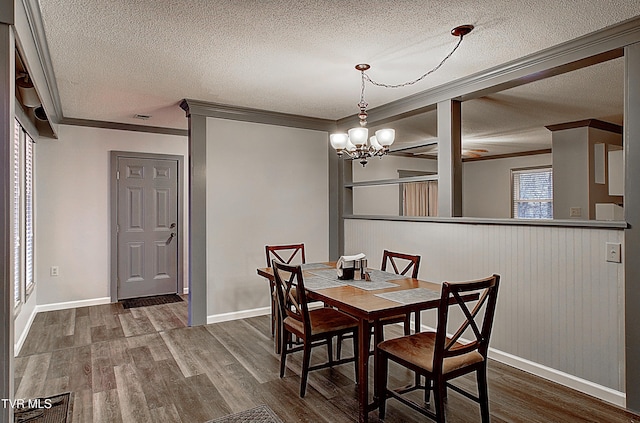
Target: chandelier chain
[(379, 84)]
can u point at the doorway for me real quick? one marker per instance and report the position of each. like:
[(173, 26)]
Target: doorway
[(146, 225)]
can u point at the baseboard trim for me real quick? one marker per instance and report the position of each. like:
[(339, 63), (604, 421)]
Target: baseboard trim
[(17, 346), (72, 304), (582, 385), (601, 392), (236, 315)]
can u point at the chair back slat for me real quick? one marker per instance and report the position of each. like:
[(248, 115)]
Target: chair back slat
[(292, 297), (285, 253), (479, 318), (411, 263)]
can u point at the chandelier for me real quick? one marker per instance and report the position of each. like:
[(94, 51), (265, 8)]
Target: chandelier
[(356, 143)]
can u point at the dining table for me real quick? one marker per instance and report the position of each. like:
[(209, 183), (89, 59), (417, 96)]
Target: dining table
[(384, 295)]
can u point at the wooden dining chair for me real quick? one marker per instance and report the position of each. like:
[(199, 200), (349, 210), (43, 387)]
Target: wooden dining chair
[(312, 327), (441, 358), (410, 265), (402, 264), (289, 254)]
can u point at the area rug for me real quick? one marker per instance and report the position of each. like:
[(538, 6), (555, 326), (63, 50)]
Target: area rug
[(55, 409), (260, 414), (150, 301)]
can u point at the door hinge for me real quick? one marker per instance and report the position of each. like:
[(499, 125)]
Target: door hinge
[(117, 174)]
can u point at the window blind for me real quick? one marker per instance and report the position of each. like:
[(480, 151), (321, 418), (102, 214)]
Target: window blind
[(532, 193), (16, 214), (28, 212)]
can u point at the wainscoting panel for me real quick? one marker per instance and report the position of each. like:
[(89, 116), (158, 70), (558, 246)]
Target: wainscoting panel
[(560, 303)]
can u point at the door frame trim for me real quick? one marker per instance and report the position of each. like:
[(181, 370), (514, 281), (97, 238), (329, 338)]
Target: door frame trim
[(113, 221)]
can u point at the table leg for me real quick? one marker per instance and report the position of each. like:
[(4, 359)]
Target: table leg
[(364, 329)]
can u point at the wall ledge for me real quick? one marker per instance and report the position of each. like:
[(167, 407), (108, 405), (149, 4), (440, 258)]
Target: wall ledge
[(594, 224)]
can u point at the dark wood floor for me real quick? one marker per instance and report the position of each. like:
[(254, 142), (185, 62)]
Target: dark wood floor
[(145, 365)]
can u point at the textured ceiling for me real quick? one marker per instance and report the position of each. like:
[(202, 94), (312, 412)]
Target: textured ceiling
[(115, 59)]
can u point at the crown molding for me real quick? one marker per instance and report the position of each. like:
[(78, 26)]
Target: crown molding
[(123, 126), (591, 123), (597, 47), (34, 18), (246, 114)]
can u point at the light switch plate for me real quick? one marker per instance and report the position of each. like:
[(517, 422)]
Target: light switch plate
[(575, 212), (613, 252)]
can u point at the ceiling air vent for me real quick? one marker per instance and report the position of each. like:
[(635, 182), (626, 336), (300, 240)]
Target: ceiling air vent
[(142, 117)]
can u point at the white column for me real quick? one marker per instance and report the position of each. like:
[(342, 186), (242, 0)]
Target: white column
[(449, 159)]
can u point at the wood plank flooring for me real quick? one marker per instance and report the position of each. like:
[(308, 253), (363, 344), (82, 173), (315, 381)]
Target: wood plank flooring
[(145, 365)]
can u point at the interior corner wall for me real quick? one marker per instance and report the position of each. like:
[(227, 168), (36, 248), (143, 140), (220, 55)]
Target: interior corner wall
[(72, 206), (266, 184), (486, 184)]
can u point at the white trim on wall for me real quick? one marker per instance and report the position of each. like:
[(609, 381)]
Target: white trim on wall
[(238, 315)]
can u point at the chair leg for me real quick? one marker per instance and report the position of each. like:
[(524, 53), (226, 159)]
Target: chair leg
[(381, 382), (339, 347), (273, 317), (439, 394), (428, 386), (306, 357), (483, 394), (355, 353), (284, 338), (330, 350), (407, 324)]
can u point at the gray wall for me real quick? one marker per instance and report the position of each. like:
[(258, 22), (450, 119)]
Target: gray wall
[(72, 205), (486, 184), (266, 184)]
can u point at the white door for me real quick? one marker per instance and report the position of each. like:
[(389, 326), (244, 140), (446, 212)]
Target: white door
[(147, 220)]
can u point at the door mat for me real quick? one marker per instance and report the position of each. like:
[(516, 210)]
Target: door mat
[(55, 409), (150, 301), (260, 414)]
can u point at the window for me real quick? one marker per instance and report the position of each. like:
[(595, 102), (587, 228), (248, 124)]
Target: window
[(22, 214), (532, 193)]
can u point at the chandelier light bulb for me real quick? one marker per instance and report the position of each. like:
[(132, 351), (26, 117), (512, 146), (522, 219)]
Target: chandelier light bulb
[(350, 147), (358, 136), (339, 141), (386, 136), (375, 144)]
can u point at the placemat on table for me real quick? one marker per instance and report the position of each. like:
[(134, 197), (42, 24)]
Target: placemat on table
[(314, 283), (410, 296), (370, 285)]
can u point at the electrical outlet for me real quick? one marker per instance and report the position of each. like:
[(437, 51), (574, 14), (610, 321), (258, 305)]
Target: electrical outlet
[(613, 252), (575, 212), (55, 271)]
